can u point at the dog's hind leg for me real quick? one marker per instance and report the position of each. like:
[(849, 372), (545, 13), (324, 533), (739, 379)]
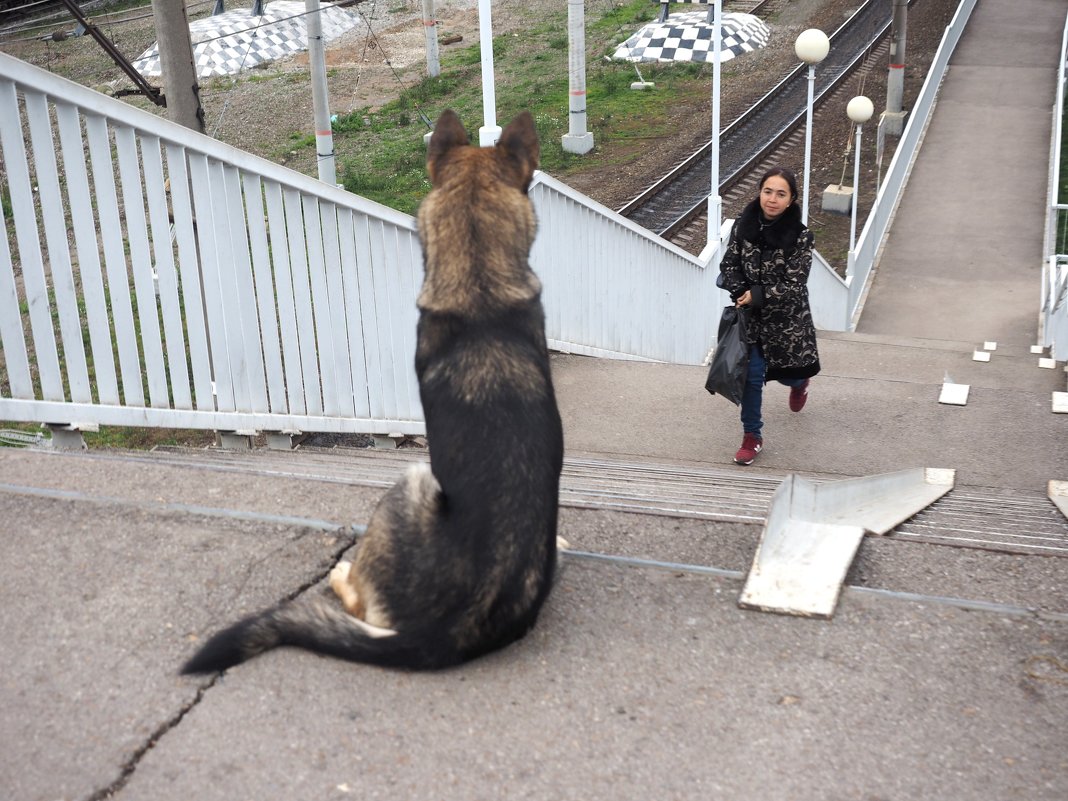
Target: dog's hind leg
[(339, 583)]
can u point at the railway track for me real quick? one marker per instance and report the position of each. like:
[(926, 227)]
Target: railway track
[(675, 205)]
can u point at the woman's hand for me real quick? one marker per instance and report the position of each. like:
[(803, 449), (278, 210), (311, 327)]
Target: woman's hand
[(744, 299)]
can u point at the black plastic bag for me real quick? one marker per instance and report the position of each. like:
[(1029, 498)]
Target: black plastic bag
[(730, 362)]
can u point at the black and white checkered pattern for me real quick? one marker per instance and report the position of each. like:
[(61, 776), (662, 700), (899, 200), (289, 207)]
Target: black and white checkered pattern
[(688, 37), (228, 43)]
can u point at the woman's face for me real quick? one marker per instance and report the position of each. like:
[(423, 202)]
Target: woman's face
[(775, 196)]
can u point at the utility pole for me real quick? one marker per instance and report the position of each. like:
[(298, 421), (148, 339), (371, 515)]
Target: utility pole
[(894, 118), (180, 85), (430, 27), (324, 134), (577, 139)]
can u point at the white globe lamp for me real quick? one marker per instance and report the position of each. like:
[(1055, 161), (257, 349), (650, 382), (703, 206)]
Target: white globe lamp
[(811, 47)]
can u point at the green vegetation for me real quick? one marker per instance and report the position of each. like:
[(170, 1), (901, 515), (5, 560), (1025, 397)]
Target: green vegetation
[(381, 153)]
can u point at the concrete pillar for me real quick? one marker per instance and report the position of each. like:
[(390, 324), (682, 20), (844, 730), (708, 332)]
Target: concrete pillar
[(324, 134), (894, 119), (430, 28), (577, 139)]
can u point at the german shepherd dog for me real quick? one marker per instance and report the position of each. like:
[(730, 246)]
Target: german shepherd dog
[(459, 556)]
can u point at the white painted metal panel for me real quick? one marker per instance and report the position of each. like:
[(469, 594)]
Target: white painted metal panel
[(355, 351), (88, 253), (313, 228), (228, 286), (130, 178), (118, 283), (387, 279), (265, 293), (60, 412), (163, 260), (28, 240), (302, 298), (336, 297), (812, 532), (369, 316), (16, 360), (189, 275), (409, 265), (59, 262), (376, 316), (254, 382), (207, 202), (283, 287)]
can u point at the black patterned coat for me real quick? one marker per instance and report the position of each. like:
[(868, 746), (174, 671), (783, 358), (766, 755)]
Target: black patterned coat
[(773, 262)]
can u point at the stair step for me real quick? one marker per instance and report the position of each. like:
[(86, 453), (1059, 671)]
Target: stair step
[(1011, 521)]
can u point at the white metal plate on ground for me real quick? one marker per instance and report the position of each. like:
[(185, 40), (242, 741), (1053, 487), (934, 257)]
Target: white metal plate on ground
[(1037, 348), (813, 530), (980, 356), (990, 346), (954, 394), (1060, 402), (1047, 364), (1058, 493)]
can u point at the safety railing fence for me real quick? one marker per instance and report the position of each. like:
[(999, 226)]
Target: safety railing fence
[(1054, 292), (864, 256), (152, 276), (612, 288)]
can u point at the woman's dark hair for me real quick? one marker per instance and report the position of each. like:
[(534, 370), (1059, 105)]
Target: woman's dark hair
[(786, 175)]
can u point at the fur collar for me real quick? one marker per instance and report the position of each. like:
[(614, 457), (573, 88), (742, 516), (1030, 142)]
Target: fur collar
[(781, 234)]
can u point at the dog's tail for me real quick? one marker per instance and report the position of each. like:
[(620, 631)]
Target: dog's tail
[(319, 626)]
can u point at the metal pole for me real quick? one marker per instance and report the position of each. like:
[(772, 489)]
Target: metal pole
[(895, 79), (577, 139), (490, 132), (430, 27), (715, 202), (324, 135), (808, 141), (856, 192)]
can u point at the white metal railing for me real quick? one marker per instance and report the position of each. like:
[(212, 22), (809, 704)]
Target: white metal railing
[(613, 288), (866, 251), (1054, 297), (152, 276)]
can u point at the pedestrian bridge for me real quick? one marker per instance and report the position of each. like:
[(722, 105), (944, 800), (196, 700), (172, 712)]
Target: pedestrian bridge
[(152, 276)]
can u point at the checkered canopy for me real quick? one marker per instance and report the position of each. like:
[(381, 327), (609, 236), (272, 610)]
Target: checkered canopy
[(227, 43), (688, 37)]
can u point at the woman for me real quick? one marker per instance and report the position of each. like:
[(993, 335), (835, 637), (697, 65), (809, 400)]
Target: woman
[(765, 269)]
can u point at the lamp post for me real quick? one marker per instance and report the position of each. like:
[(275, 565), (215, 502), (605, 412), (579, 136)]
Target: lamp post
[(811, 47), (859, 110), (489, 133), (715, 202)]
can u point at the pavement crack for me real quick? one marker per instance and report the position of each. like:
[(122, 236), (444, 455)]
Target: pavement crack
[(129, 767), (347, 536)]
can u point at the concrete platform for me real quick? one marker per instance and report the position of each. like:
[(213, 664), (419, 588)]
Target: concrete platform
[(944, 673), (941, 675)]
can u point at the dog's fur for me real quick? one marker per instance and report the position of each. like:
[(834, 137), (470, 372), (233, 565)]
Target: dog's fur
[(458, 557)]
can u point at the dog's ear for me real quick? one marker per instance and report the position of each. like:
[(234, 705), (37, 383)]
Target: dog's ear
[(519, 141), (448, 133)]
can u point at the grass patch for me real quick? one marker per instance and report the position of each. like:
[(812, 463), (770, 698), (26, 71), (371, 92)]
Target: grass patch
[(381, 153)]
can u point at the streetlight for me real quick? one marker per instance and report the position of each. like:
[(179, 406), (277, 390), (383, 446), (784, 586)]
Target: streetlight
[(490, 132), (859, 110), (715, 202), (811, 47)]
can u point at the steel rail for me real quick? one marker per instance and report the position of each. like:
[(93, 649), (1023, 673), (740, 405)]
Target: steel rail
[(689, 165)]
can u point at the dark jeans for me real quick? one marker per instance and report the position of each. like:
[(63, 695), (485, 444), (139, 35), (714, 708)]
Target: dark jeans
[(752, 398)]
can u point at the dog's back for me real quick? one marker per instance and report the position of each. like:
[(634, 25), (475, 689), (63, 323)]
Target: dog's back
[(457, 560)]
